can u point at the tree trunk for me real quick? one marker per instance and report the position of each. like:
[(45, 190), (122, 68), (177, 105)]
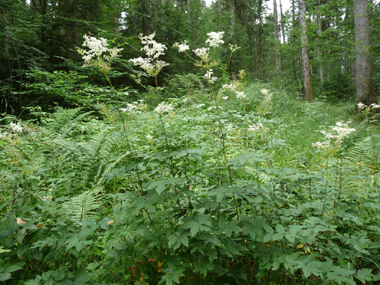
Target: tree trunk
[(365, 89), (232, 23), (5, 19), (116, 18), (277, 39), (305, 53), (259, 43), (282, 24), (293, 40), (319, 23)]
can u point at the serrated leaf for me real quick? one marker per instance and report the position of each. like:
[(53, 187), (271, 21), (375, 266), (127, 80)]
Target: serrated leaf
[(14, 267), (211, 255), (267, 238), (364, 275), (172, 239), (280, 228), (5, 276), (214, 240), (277, 237), (194, 229), (185, 241), (82, 279)]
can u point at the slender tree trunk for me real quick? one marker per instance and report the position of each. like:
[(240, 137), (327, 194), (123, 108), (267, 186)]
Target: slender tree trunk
[(277, 38), (319, 23), (232, 22), (329, 48), (259, 43), (116, 18), (4, 12), (282, 24), (293, 39), (44, 23), (305, 53), (365, 89)]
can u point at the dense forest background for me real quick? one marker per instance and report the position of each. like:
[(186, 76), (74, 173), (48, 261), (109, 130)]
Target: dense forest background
[(40, 66)]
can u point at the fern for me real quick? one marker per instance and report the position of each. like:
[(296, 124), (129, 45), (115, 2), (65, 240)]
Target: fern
[(83, 206)]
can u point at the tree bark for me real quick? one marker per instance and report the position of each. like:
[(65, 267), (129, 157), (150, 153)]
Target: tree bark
[(116, 18), (282, 24), (232, 23), (305, 53), (365, 89), (260, 40), (277, 38), (319, 23)]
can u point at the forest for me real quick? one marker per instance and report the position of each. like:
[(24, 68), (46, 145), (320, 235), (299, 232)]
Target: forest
[(184, 142)]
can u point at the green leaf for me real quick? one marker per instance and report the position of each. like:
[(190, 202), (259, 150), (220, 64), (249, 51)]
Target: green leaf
[(184, 240), (14, 267), (364, 275), (277, 237), (214, 240), (267, 238), (168, 279), (280, 228), (5, 276), (203, 267), (82, 279), (194, 229), (172, 240), (193, 226)]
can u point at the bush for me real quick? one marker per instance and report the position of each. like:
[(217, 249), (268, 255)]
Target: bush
[(338, 88)]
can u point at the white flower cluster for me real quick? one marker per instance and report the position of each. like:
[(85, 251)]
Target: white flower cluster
[(163, 107), (240, 95), (230, 127), (203, 53), (208, 76), (97, 48), (16, 127), (372, 106), (259, 127), (264, 91), (129, 108), (215, 39), (3, 135), (182, 47), (230, 86), (233, 86), (153, 50), (334, 139)]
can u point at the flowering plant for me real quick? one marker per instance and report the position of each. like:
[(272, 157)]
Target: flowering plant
[(367, 111), (151, 64), (206, 60), (334, 137), (99, 54)]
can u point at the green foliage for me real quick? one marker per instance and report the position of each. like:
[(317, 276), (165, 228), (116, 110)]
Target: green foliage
[(338, 88), (86, 203)]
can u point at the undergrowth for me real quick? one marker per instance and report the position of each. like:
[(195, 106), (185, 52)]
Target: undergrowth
[(208, 188)]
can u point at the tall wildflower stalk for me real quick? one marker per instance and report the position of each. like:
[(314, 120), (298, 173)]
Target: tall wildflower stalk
[(207, 62), (150, 64), (160, 110), (330, 146), (100, 56)]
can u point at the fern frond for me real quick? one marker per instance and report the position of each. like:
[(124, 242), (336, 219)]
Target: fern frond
[(83, 206)]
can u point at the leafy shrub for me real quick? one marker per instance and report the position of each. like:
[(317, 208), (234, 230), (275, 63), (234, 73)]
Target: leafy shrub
[(338, 88)]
